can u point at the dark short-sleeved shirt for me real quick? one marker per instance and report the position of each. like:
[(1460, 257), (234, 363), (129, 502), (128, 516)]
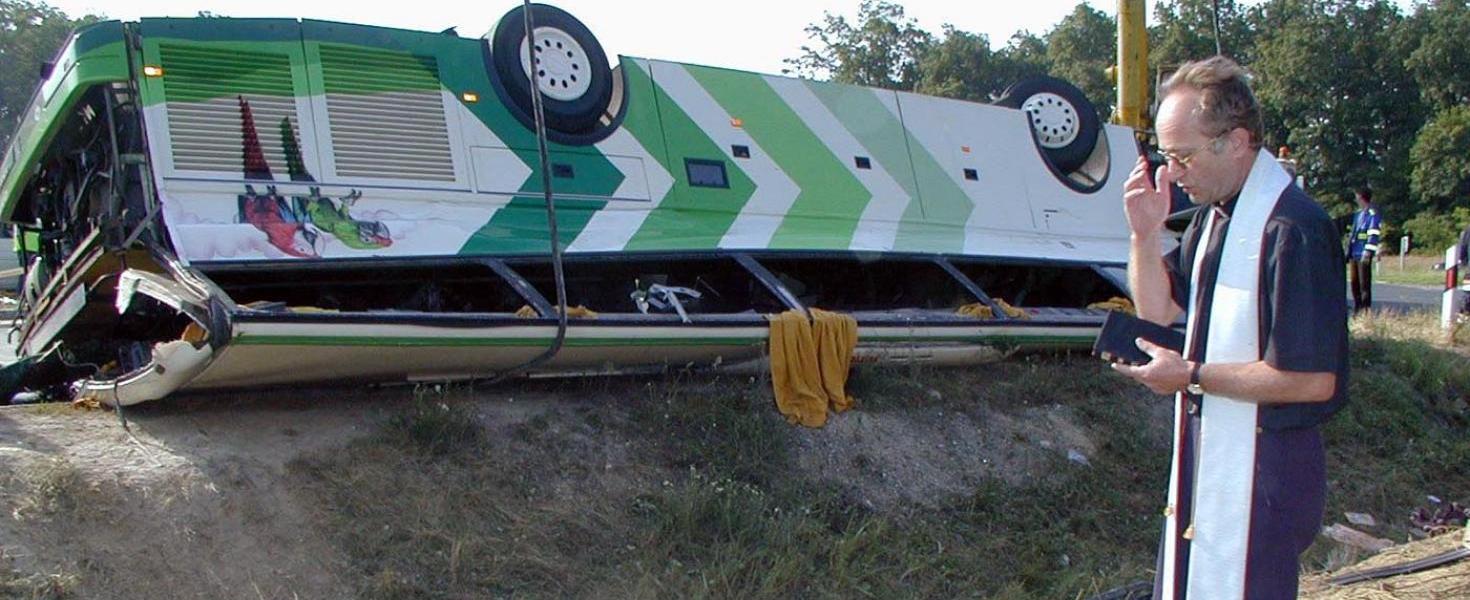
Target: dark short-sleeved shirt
[(1303, 320)]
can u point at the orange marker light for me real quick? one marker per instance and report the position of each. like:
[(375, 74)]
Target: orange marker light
[(470, 97), (737, 123), (152, 71)]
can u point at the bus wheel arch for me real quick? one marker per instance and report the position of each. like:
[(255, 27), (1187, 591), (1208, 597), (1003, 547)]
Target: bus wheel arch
[(1064, 122), (581, 100)]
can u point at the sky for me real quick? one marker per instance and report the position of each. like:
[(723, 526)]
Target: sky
[(750, 35)]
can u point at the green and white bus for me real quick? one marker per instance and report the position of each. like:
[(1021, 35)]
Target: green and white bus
[(213, 203)]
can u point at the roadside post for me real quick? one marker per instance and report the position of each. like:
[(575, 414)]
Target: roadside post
[(1453, 296)]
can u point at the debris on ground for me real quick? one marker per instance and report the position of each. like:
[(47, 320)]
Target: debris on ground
[(1448, 580), (1357, 539)]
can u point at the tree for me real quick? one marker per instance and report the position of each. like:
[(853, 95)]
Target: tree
[(1184, 30), (1333, 88), (30, 33), (1080, 49), (960, 66), (1024, 56), (1435, 231), (883, 49), (1439, 62), (1441, 159)]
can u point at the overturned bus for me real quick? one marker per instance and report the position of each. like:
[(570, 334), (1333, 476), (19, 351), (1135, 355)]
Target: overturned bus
[(213, 203)]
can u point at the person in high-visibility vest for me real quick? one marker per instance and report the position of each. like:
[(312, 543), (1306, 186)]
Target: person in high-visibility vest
[(1362, 248)]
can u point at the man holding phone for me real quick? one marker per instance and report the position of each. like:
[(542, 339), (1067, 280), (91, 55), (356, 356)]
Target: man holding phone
[(1258, 280)]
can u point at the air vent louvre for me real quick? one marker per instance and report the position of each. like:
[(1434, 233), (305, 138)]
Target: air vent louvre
[(205, 86), (386, 114)]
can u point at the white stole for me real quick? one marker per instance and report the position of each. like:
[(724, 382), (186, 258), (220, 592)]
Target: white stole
[(1226, 454)]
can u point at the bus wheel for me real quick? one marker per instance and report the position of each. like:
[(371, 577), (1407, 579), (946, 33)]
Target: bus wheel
[(568, 65), (1064, 121)]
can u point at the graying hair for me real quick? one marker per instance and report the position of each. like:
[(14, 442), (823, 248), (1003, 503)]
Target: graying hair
[(1225, 102)]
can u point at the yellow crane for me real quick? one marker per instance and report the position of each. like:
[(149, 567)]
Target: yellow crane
[(1131, 71)]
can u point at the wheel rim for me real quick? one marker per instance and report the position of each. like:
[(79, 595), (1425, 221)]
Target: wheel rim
[(1053, 118), (562, 69)]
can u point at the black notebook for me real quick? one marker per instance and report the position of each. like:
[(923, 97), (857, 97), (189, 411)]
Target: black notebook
[(1115, 341)]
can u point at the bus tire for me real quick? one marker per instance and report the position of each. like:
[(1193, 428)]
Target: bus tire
[(1063, 122), (571, 68)]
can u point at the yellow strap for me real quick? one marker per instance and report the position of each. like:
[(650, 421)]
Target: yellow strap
[(981, 311), (977, 310), (1117, 303), (526, 312)]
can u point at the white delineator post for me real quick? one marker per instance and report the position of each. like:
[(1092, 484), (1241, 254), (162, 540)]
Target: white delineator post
[(1453, 296)]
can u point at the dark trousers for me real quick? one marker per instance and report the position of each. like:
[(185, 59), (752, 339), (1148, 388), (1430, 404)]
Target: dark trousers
[(1361, 274), (1287, 502)]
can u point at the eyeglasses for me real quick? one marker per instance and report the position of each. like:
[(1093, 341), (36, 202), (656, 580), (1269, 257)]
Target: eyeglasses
[(1184, 159)]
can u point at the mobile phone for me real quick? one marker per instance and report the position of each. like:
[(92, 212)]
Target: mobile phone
[(1149, 167)]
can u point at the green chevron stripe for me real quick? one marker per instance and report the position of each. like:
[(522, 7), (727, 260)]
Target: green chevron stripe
[(826, 211), (935, 218), (946, 207), (875, 127), (690, 217)]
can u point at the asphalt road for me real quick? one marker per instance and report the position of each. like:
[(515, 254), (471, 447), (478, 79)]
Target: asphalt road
[(1405, 297)]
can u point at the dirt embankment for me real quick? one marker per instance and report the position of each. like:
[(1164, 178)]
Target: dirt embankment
[(1037, 481), (192, 503), (208, 497)]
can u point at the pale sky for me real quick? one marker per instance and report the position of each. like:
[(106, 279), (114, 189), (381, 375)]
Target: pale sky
[(751, 35)]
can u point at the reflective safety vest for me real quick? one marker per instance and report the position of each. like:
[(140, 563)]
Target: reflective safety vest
[(1367, 227)]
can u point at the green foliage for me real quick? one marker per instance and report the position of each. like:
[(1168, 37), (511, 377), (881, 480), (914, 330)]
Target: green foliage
[(1403, 428), (881, 49), (1438, 63), (1080, 49), (1441, 159), (1434, 231), (434, 425), (1023, 56), (1185, 30), (30, 33), (1331, 80), (716, 426), (960, 66)]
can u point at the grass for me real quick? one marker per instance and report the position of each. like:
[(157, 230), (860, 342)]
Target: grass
[(1417, 270), (45, 491), (34, 586), (434, 424), (54, 489), (1402, 436), (689, 487)]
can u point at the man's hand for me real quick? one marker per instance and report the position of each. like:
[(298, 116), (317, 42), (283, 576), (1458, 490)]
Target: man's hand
[(1165, 373), (1144, 203)]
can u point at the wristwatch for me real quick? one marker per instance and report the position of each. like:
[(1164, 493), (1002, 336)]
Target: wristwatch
[(1194, 387)]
